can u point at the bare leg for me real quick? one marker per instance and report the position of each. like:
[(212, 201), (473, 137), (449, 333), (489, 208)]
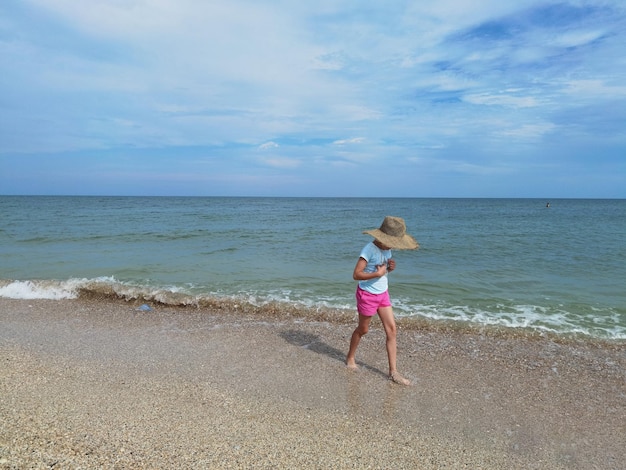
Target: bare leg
[(359, 331), (389, 324)]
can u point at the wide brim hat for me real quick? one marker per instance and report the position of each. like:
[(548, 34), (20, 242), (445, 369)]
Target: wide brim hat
[(392, 233)]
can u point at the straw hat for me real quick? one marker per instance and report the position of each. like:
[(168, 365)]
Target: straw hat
[(392, 233)]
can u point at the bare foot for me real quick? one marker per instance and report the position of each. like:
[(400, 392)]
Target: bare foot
[(396, 377), (352, 365)]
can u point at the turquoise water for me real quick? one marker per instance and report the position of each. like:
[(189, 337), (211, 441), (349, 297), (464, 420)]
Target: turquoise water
[(508, 262)]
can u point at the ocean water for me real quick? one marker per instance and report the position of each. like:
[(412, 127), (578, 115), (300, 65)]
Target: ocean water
[(511, 264)]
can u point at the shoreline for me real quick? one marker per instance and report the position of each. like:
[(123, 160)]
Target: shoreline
[(342, 312), (91, 383)]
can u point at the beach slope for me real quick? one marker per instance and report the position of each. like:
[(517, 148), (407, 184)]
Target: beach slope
[(101, 384)]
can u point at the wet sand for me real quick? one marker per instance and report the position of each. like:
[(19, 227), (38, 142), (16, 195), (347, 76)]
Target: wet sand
[(100, 384)]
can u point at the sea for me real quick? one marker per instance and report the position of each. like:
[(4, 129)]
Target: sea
[(543, 267)]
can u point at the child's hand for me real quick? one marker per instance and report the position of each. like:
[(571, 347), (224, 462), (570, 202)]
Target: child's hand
[(391, 264), (381, 270)]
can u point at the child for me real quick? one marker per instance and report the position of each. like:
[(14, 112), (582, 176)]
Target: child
[(372, 296)]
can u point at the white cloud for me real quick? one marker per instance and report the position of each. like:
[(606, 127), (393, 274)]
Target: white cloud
[(528, 131), (577, 38), (282, 162), (595, 89), (268, 145), (354, 140), (443, 166), (502, 100)]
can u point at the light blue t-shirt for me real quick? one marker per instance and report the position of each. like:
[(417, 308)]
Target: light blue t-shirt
[(374, 257)]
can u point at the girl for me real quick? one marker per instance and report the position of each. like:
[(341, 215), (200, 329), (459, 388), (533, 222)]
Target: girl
[(372, 295)]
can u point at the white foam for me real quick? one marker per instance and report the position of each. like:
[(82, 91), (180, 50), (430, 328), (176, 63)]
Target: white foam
[(518, 316), (555, 320), (52, 290)]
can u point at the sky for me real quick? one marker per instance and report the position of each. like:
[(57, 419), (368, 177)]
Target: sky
[(330, 98)]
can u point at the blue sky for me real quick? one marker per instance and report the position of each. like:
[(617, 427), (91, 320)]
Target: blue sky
[(454, 98)]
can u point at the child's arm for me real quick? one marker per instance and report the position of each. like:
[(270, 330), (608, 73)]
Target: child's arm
[(359, 273)]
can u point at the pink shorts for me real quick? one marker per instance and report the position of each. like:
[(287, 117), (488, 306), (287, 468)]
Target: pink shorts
[(367, 304)]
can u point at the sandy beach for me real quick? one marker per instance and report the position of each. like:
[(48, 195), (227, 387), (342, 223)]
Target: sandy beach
[(100, 384)]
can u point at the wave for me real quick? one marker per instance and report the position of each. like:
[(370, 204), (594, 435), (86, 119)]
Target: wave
[(52, 290), (518, 320), (110, 288), (98, 287)]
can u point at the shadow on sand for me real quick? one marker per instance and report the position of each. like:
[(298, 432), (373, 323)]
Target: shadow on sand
[(313, 343)]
